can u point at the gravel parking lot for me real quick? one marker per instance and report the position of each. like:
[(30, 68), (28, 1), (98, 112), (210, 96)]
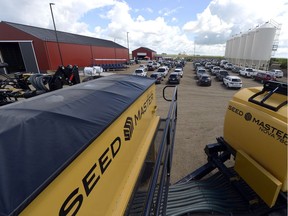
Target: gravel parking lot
[(201, 112)]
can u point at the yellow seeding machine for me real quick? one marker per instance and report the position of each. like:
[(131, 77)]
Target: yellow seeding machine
[(99, 148)]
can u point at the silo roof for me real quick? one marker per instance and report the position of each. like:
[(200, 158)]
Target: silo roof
[(64, 37), (267, 25)]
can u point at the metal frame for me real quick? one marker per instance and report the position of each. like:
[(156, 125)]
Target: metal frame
[(158, 189), (271, 87), (217, 154)]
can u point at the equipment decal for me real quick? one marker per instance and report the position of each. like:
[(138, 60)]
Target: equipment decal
[(265, 128), (129, 123)]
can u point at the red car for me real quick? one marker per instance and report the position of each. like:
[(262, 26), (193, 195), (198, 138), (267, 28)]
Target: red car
[(263, 77)]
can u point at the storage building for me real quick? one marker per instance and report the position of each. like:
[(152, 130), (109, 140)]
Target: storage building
[(144, 53), (33, 49), (254, 48)]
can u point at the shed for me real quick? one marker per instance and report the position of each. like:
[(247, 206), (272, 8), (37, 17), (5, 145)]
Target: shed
[(143, 53), (34, 49)]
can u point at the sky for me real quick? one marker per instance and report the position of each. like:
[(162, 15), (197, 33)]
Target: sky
[(192, 27)]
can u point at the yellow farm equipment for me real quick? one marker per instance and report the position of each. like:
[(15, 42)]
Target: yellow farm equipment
[(99, 148)]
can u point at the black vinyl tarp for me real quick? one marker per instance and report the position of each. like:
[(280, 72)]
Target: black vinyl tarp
[(40, 136)]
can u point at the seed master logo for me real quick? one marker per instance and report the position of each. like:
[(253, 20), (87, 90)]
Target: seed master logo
[(128, 128), (264, 127), (248, 116)]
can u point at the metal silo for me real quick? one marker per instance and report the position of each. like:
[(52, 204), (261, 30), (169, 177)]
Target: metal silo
[(248, 47), (236, 43), (240, 54), (262, 45), (230, 48), (226, 49)]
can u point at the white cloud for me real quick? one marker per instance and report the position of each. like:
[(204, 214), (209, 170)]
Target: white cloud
[(210, 30), (224, 18)]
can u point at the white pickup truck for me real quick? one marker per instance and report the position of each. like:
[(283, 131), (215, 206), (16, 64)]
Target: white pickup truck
[(248, 72)]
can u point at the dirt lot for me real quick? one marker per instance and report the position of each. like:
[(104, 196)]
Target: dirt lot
[(201, 112)]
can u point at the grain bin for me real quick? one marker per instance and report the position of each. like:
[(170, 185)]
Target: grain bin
[(228, 49), (236, 43), (248, 45), (263, 41), (240, 54)]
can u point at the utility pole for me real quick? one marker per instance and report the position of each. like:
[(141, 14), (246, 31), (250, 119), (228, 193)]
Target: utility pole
[(56, 33), (128, 46)]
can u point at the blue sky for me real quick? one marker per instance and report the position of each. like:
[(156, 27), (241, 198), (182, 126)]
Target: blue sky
[(176, 12), (199, 27)]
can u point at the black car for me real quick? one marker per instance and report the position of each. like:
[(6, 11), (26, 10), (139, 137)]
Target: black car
[(221, 74), (150, 68), (204, 80), (174, 77), (157, 76)]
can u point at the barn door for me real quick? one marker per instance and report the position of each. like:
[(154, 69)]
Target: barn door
[(29, 58)]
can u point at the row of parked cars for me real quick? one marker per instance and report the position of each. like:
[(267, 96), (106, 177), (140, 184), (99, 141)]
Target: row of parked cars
[(161, 71), (220, 69), (174, 77), (203, 78)]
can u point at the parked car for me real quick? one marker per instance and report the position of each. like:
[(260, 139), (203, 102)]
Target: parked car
[(223, 62), (208, 65), (236, 69), (179, 71), (204, 80), (263, 77), (157, 76), (232, 82), (143, 66), (199, 72), (277, 73), (221, 74), (228, 66), (174, 77), (150, 66), (140, 72), (156, 65), (247, 72), (163, 71), (197, 65), (215, 69)]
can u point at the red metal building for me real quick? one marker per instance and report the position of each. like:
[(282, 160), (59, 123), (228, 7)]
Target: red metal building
[(33, 49), (143, 53)]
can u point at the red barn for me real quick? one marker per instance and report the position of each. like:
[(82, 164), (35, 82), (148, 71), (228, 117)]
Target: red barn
[(143, 53), (33, 49)]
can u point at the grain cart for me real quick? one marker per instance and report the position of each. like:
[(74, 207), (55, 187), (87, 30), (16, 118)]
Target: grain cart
[(83, 150)]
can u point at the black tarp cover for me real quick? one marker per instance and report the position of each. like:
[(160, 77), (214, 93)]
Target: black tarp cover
[(40, 136)]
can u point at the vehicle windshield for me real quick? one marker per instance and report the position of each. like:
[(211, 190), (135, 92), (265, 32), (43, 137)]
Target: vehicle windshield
[(236, 80), (223, 72), (138, 71), (173, 75), (205, 78), (161, 70)]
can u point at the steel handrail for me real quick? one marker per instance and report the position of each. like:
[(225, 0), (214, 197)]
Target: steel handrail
[(165, 154)]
